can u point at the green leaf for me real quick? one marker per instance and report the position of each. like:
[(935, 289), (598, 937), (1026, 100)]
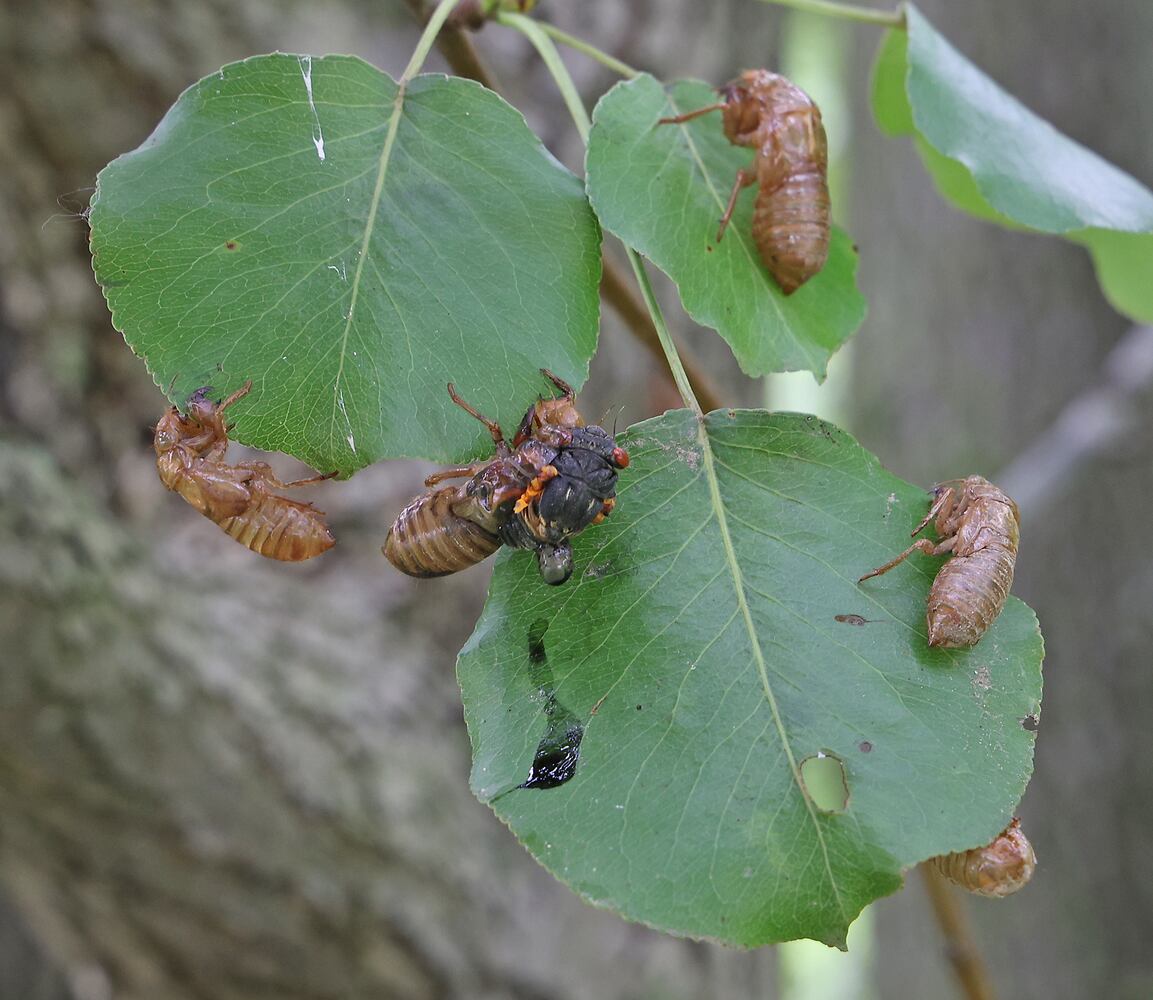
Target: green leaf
[(663, 188), (712, 640), (293, 222), (991, 156)]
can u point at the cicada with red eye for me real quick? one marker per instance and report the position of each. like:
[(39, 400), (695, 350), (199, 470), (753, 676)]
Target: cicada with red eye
[(190, 459), (771, 114), (557, 478)]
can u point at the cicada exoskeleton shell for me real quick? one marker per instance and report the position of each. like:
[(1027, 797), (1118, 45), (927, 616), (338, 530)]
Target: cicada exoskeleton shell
[(782, 124), (429, 538), (998, 869), (980, 526), (190, 460)]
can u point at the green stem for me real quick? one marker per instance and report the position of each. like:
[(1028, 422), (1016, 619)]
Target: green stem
[(590, 50), (564, 82), (846, 12), (532, 31), (666, 339), (427, 38)]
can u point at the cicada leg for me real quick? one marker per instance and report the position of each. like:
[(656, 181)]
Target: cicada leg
[(688, 116), (921, 545), (492, 425), (744, 179)]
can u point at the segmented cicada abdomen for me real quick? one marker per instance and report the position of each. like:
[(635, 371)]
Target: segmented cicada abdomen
[(280, 528), (429, 539), (190, 451), (791, 214), (971, 588), (997, 869)]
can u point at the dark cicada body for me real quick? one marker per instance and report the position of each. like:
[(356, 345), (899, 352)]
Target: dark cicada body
[(577, 488), (552, 453), (997, 869), (585, 482), (791, 217), (190, 452), (981, 527)]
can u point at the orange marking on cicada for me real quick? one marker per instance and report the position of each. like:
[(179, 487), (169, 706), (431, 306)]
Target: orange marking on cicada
[(535, 488), (607, 509)]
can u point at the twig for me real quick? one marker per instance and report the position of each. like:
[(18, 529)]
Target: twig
[(458, 50), (960, 949), (635, 316), (1090, 425)]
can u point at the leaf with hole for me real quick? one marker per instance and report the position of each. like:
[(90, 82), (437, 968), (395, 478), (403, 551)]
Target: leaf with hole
[(711, 654), (991, 156), (298, 222), (663, 188)]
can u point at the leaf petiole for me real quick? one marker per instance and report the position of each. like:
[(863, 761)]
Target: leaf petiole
[(846, 12), (666, 339), (590, 50), (532, 30), (426, 40)]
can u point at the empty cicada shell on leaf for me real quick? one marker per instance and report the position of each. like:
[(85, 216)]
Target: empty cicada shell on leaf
[(190, 450), (791, 215), (980, 526), (997, 869)]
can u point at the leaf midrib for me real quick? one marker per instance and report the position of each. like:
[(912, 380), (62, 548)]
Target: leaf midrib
[(762, 669), (370, 223)]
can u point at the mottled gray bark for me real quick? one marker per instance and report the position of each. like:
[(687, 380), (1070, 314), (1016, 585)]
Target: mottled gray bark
[(221, 777)]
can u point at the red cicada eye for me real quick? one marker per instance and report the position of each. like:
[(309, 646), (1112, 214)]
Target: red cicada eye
[(620, 458)]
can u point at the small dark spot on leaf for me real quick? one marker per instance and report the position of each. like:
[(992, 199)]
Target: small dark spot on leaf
[(708, 249), (639, 707), (231, 245), (1031, 723), (851, 619), (865, 746)]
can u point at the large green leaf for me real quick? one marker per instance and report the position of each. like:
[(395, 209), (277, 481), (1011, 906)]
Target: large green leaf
[(991, 156), (713, 638), (292, 221), (663, 188)]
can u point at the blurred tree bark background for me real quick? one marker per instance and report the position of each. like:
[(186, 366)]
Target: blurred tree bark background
[(225, 779)]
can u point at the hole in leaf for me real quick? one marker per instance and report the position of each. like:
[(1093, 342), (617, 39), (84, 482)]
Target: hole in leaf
[(1031, 723), (823, 775), (865, 746)]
